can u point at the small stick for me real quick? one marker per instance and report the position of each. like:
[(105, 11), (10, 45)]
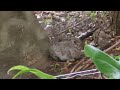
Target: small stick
[(108, 49), (80, 67), (76, 65), (81, 73)]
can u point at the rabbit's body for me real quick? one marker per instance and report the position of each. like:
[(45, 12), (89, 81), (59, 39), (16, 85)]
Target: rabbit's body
[(67, 50)]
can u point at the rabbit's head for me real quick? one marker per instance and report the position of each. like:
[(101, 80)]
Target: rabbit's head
[(76, 42)]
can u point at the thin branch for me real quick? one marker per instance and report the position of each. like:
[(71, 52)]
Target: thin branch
[(108, 49), (77, 65)]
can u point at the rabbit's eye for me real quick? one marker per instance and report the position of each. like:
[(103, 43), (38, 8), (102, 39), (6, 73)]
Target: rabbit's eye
[(75, 42)]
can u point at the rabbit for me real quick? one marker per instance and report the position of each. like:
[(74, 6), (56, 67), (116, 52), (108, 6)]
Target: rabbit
[(67, 50)]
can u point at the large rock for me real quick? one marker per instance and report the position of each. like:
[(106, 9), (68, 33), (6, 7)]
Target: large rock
[(22, 41)]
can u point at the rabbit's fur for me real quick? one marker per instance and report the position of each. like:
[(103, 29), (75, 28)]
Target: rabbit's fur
[(67, 50)]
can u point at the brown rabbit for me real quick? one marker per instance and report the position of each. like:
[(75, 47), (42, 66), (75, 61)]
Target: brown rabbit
[(67, 50)]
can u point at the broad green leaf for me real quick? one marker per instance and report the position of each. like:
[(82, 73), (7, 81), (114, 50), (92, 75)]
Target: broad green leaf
[(104, 63), (96, 54), (107, 69), (34, 71)]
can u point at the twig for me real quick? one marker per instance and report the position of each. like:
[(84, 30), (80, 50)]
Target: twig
[(108, 49), (76, 65), (79, 68), (83, 67), (81, 73), (73, 69)]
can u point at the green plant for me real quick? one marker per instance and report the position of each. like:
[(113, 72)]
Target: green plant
[(104, 62), (36, 72)]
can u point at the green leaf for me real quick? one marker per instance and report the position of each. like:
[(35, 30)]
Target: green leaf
[(34, 71), (104, 63), (107, 69), (95, 53)]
